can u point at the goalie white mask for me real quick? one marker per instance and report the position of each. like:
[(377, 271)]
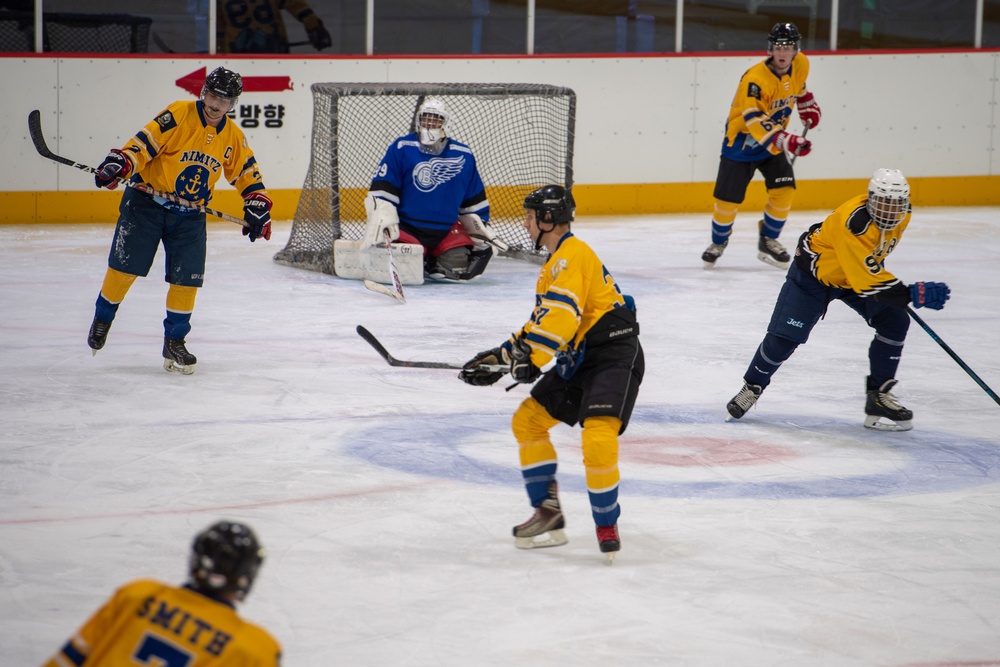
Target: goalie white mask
[(432, 122), (888, 198)]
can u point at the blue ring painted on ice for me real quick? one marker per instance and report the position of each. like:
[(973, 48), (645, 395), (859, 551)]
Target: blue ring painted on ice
[(935, 462)]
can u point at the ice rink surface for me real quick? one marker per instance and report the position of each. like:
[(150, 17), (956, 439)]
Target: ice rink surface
[(385, 496)]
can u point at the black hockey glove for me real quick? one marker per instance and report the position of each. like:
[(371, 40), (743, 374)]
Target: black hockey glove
[(257, 213), (115, 166), (473, 373), (521, 368)]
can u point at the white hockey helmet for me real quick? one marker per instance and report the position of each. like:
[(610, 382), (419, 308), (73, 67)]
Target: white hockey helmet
[(432, 122), (888, 198)]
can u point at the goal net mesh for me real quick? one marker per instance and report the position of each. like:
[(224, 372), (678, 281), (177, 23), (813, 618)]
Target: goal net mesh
[(521, 135)]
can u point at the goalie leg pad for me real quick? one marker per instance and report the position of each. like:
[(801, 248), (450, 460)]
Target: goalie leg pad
[(350, 262)]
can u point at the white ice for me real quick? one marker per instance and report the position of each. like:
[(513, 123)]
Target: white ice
[(385, 496)]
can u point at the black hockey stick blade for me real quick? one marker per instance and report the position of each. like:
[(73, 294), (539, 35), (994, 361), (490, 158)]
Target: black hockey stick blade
[(951, 353), (38, 139), (393, 361)]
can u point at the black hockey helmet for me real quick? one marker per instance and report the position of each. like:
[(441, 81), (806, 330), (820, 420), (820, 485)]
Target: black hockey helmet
[(225, 558), (224, 83), (552, 203), (783, 34)]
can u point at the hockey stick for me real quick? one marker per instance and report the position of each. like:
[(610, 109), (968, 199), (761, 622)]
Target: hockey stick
[(396, 291), (393, 361), (791, 160), (937, 339), (38, 138)]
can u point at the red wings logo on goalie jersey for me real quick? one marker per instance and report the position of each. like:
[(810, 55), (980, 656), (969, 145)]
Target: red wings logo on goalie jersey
[(428, 175)]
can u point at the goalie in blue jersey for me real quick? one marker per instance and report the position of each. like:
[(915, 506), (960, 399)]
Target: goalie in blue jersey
[(427, 190)]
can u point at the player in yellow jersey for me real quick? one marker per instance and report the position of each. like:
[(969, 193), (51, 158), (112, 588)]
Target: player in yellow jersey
[(757, 140), (256, 26), (843, 258), (584, 333), (183, 151), (147, 622)]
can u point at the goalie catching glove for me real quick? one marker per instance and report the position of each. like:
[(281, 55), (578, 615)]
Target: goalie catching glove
[(481, 231), (472, 374), (115, 166), (257, 214)]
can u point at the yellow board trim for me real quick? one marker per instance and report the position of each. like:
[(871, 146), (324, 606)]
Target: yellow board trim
[(620, 199)]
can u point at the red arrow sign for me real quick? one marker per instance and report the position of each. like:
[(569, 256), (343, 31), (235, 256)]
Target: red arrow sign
[(194, 81)]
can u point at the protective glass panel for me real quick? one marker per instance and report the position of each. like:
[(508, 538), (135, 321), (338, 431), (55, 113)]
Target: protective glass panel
[(743, 25), (906, 24), (450, 26)]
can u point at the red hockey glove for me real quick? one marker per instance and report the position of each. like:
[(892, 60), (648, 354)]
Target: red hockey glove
[(793, 143), (257, 213), (809, 111), (115, 166)]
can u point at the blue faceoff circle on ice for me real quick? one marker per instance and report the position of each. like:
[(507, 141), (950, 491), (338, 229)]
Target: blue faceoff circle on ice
[(682, 452)]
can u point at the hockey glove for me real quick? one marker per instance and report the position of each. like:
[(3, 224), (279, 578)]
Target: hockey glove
[(319, 37), (792, 144), (521, 368), (809, 111), (115, 166), (472, 374), (382, 217), (929, 295), (257, 213)]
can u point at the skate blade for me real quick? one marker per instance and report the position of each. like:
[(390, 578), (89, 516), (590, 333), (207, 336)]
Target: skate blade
[(555, 538), (93, 352), (874, 423), (611, 557), (767, 259), (708, 265), (173, 367)]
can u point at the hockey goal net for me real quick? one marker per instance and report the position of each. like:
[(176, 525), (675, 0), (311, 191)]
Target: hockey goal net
[(521, 134)]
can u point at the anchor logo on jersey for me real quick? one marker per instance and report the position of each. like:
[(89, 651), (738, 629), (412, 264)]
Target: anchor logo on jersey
[(432, 173), (192, 183)]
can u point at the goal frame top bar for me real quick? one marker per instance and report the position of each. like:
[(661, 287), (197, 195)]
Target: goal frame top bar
[(480, 89)]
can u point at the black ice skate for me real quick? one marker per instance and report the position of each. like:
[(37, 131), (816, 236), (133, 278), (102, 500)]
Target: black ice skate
[(770, 251), (744, 400), (98, 335), (176, 357), (883, 405), (712, 253), (548, 518), (609, 541)]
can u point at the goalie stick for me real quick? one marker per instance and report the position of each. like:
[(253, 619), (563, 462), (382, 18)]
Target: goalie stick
[(38, 138), (393, 361), (951, 353), (396, 291)]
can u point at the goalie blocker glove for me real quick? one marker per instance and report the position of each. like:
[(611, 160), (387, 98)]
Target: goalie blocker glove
[(929, 295), (115, 166), (472, 374), (792, 144), (257, 214)]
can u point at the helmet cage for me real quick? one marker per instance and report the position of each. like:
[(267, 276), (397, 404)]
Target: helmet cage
[(888, 198), (432, 122)]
